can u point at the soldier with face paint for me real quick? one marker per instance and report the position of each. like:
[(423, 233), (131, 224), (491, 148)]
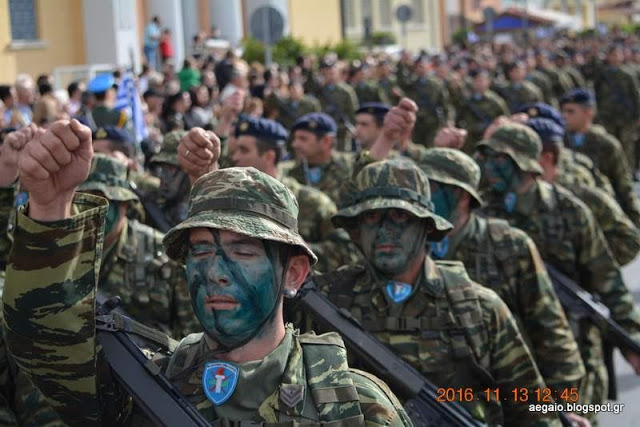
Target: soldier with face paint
[(242, 254), (505, 260), (566, 235), (454, 331)]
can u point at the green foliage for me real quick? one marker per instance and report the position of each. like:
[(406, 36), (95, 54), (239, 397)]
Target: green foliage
[(460, 37), (287, 49), (381, 38), (252, 50), (346, 49)]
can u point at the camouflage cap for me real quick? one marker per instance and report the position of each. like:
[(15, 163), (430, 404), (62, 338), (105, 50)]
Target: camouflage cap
[(109, 176), (519, 142), (453, 167), (242, 200), (169, 151), (392, 184)]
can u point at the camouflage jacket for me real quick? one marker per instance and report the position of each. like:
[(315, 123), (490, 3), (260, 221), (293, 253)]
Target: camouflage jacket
[(567, 236), (153, 289), (21, 403), (7, 196), (340, 102), (287, 111), (622, 236), (334, 174), (608, 156), (543, 83), (390, 87), (61, 356), (517, 95), (370, 91), (561, 83), (332, 246), (577, 168), (432, 98), (617, 95), (507, 261), (475, 115), (482, 348)]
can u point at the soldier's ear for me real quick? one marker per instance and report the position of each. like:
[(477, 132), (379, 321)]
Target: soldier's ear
[(298, 268)]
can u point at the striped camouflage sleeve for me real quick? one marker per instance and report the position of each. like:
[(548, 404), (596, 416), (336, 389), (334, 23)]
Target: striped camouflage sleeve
[(7, 195), (512, 366), (49, 306)]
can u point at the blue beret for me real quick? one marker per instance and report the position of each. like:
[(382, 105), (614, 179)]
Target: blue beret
[(112, 133), (373, 108), (318, 123), (547, 129), (101, 83), (541, 110), (578, 96), (263, 129)]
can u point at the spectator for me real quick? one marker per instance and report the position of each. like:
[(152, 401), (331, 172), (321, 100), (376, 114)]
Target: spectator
[(166, 46), (151, 41), (189, 76), (200, 114), (175, 106), (46, 109), (25, 92), (75, 91)]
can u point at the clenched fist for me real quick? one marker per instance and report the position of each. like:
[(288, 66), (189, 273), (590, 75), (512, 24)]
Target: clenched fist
[(198, 153), (398, 125), (450, 137), (52, 165), (10, 150)]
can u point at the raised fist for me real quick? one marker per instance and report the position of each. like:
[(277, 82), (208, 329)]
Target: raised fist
[(52, 165), (10, 150), (198, 153), (400, 120), (450, 137)]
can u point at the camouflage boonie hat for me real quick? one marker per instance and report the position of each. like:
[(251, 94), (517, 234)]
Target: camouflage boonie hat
[(169, 150), (392, 184), (453, 167), (109, 176), (242, 200), (519, 142)]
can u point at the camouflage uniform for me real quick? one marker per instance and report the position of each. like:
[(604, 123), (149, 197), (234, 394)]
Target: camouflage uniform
[(507, 261), (370, 91), (340, 102), (618, 98), (66, 343), (288, 111), (7, 196), (434, 108), (152, 288), (560, 81), (388, 85), (454, 331), (102, 116), (543, 83), (608, 156), (476, 114), (516, 95), (334, 174), (567, 236), (173, 194)]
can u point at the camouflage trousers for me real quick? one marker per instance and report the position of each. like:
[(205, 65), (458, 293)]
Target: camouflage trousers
[(594, 386), (628, 133), (593, 390)]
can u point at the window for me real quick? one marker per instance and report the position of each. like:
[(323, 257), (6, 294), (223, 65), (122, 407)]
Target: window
[(418, 11), (385, 13), (349, 14), (22, 16)]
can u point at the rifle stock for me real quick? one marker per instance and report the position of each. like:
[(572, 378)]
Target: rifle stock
[(418, 393)]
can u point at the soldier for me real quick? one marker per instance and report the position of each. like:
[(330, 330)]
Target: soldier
[(478, 112), (566, 235), (433, 102), (505, 260), (388, 81), (172, 197), (103, 113), (539, 79), (366, 90), (259, 143), (369, 121), (416, 305), (606, 152), (519, 91), (622, 236), (338, 100), (318, 164), (296, 105), (563, 63), (560, 81), (618, 99), (239, 265), (153, 290)]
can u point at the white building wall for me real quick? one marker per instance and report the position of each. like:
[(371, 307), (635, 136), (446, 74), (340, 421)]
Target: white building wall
[(226, 15), (170, 13)]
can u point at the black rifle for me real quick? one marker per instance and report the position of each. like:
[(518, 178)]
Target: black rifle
[(419, 394), (160, 400), (578, 301)]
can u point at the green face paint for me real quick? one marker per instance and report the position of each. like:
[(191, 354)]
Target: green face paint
[(391, 239), (234, 285), (501, 171), (444, 198), (113, 215)]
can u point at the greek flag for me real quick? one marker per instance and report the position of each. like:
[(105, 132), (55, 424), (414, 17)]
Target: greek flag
[(128, 99)]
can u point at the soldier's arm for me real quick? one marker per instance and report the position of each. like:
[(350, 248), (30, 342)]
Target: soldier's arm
[(379, 405), (600, 273), (619, 174), (351, 103), (7, 196), (552, 343), (511, 364), (49, 301)]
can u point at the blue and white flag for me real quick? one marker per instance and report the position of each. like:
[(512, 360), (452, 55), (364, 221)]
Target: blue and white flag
[(128, 99)]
